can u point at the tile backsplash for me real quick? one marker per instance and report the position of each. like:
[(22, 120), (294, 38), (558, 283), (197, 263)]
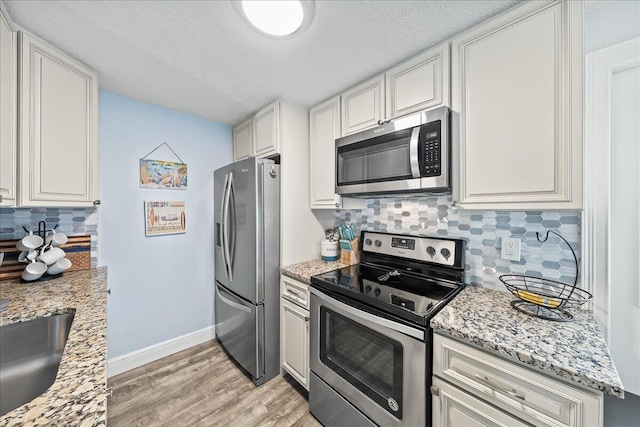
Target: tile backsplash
[(483, 231), (71, 221)]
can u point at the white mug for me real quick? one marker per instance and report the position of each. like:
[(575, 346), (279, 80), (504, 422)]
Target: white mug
[(59, 266), (28, 256), (51, 256), (29, 242), (34, 271), (56, 239)]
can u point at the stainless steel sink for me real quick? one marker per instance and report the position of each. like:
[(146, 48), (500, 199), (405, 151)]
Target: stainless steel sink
[(30, 354)]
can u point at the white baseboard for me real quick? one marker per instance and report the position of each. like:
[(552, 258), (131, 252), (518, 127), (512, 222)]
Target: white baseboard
[(135, 359)]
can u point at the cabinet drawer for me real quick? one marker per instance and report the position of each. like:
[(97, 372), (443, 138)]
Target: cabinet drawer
[(295, 291), (453, 407), (534, 397)]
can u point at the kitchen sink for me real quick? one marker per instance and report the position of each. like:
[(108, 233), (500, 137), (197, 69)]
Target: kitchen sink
[(30, 354)]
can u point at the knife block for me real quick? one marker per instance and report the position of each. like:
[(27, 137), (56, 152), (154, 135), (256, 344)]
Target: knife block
[(353, 256)]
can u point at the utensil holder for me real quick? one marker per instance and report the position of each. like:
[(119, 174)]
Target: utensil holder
[(353, 256)]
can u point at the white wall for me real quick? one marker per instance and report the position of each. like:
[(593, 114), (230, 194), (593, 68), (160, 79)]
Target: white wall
[(161, 287), (610, 22)]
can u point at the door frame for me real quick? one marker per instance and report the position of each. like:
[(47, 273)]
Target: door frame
[(600, 66)]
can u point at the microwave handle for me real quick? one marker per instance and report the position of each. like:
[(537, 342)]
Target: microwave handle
[(413, 150)]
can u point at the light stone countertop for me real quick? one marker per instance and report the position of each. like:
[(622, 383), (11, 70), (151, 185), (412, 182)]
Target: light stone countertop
[(575, 351), (303, 271), (77, 397)]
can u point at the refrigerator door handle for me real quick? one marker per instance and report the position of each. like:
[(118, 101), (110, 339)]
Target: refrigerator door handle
[(225, 229), (231, 220), (223, 220), (229, 302)]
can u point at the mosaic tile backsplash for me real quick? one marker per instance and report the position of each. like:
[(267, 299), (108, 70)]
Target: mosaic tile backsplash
[(72, 222), (483, 231)]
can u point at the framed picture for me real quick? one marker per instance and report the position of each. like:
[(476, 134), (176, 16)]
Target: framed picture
[(163, 174), (163, 218)]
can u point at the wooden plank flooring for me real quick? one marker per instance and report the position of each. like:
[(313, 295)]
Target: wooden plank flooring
[(201, 386)]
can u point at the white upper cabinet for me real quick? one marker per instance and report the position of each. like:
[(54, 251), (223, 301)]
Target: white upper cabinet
[(58, 127), (324, 128), (419, 83), (8, 113), (243, 141), (363, 106), (517, 109), (266, 128)]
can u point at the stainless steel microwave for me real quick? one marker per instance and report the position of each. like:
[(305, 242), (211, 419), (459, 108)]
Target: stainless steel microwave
[(407, 155)]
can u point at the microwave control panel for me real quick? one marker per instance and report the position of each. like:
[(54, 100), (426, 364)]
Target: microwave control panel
[(431, 164)]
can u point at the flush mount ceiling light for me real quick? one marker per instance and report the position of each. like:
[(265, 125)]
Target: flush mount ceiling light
[(277, 19)]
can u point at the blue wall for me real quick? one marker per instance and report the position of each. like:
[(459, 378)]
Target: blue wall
[(161, 287)]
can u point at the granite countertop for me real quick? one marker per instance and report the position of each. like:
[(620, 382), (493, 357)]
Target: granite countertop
[(575, 350), (77, 397), (304, 270)]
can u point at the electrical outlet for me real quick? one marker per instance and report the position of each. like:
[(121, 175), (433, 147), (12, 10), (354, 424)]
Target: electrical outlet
[(510, 249)]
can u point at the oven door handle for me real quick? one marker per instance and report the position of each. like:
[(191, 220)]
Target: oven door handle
[(413, 152), (362, 315)]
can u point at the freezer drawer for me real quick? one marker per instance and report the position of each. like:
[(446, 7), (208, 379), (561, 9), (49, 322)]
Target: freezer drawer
[(240, 329)]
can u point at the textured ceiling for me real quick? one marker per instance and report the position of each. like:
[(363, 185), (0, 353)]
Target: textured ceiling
[(199, 57)]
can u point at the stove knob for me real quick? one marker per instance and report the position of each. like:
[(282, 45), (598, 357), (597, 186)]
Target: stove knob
[(378, 243), (367, 242), (431, 251), (446, 253), (367, 289), (377, 292)]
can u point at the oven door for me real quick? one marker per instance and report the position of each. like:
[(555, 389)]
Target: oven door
[(376, 364)]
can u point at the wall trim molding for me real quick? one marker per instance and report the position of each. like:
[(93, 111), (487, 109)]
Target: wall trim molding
[(135, 359), (599, 69)]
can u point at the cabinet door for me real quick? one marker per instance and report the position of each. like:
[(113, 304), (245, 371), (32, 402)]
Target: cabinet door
[(419, 83), (58, 127), (266, 127), (517, 101), (452, 407), (363, 106), (295, 341), (324, 128), (242, 141), (8, 119)]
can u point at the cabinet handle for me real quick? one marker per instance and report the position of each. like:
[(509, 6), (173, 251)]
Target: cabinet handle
[(109, 392), (380, 122), (109, 291), (435, 390), (293, 293), (96, 203), (306, 318), (337, 205), (512, 393)]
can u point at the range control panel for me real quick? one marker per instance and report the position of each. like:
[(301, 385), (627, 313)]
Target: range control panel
[(417, 248)]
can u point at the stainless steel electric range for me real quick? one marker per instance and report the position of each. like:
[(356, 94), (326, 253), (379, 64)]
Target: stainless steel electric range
[(371, 344)]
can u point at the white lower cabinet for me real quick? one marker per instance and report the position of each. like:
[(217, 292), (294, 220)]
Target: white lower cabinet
[(453, 407), (294, 329), (473, 387)]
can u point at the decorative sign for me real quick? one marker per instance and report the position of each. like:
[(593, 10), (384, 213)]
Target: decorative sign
[(163, 174), (164, 218)]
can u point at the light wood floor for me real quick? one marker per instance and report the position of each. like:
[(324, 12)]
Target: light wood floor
[(201, 386)]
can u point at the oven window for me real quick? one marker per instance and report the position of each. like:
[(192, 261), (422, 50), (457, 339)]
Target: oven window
[(386, 158), (365, 358)]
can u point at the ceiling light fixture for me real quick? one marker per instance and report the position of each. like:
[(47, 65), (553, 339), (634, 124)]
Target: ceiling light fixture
[(277, 19)]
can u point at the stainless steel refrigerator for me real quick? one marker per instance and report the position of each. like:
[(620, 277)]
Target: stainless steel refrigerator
[(247, 260)]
